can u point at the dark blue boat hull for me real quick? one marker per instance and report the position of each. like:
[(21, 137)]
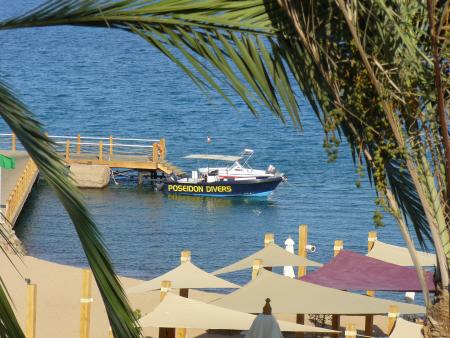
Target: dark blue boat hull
[(256, 187)]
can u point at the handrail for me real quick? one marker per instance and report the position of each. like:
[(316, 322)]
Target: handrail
[(19, 193)]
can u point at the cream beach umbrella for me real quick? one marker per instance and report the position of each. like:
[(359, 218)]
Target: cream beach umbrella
[(175, 312), (272, 255), (185, 276), (399, 255), (406, 329), (292, 296), (288, 271)]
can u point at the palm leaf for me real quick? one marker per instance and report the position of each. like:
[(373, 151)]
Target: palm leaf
[(41, 150), (9, 327)]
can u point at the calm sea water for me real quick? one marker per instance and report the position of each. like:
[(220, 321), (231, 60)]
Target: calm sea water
[(99, 82)]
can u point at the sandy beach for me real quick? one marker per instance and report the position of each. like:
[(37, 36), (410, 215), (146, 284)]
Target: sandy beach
[(58, 300)]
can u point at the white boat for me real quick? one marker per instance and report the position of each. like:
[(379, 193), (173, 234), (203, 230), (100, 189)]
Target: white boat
[(237, 179)]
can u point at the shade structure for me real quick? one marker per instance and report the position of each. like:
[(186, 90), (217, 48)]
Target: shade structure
[(272, 255), (185, 276), (175, 312), (406, 329), (399, 255), (352, 271), (292, 296)]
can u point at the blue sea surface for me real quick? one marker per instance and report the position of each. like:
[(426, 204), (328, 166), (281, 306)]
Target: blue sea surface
[(102, 82)]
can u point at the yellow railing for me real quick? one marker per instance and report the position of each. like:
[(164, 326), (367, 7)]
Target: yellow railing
[(19, 193)]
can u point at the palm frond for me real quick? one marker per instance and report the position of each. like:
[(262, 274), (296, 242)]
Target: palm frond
[(212, 41), (41, 150), (9, 327), (406, 194)]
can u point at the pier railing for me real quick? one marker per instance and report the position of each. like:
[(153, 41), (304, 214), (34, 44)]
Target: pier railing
[(19, 193), (101, 149)]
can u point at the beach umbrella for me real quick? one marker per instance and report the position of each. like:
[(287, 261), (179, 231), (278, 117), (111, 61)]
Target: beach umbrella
[(406, 329), (185, 276), (265, 325), (293, 296), (399, 255), (288, 271), (175, 312), (352, 271), (272, 255), (5, 163)]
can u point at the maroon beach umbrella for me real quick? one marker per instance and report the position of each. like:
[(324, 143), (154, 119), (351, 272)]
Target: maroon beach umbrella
[(352, 271)]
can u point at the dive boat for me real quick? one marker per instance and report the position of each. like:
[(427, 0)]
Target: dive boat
[(237, 179)]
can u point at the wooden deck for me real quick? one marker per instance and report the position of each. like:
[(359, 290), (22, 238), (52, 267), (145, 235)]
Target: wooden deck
[(124, 153), (143, 155)]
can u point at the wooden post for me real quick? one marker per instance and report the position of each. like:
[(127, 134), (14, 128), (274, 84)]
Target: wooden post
[(371, 240), (78, 144), (100, 150), (335, 325), (165, 332), (13, 142), (368, 327), (185, 257), (372, 237), (110, 147), (302, 242), (269, 238), (85, 300), (155, 152), (67, 150), (300, 320), (338, 246), (350, 331), (30, 329), (393, 313), (162, 144), (257, 265)]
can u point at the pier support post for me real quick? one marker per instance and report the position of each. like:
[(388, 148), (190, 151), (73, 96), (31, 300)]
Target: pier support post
[(30, 329), (302, 242), (67, 150), (256, 267), (110, 147), (165, 332), (350, 331), (13, 142), (78, 144), (393, 313), (100, 150), (85, 300)]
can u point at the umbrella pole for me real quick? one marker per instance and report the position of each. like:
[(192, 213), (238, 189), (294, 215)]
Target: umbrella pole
[(256, 267), (393, 313), (269, 238), (372, 237), (302, 242), (300, 320), (336, 319), (165, 332), (184, 257)]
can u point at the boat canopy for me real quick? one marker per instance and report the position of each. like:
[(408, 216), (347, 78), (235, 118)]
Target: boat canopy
[(229, 158)]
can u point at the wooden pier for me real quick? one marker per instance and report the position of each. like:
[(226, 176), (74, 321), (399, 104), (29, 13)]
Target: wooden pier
[(142, 155)]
